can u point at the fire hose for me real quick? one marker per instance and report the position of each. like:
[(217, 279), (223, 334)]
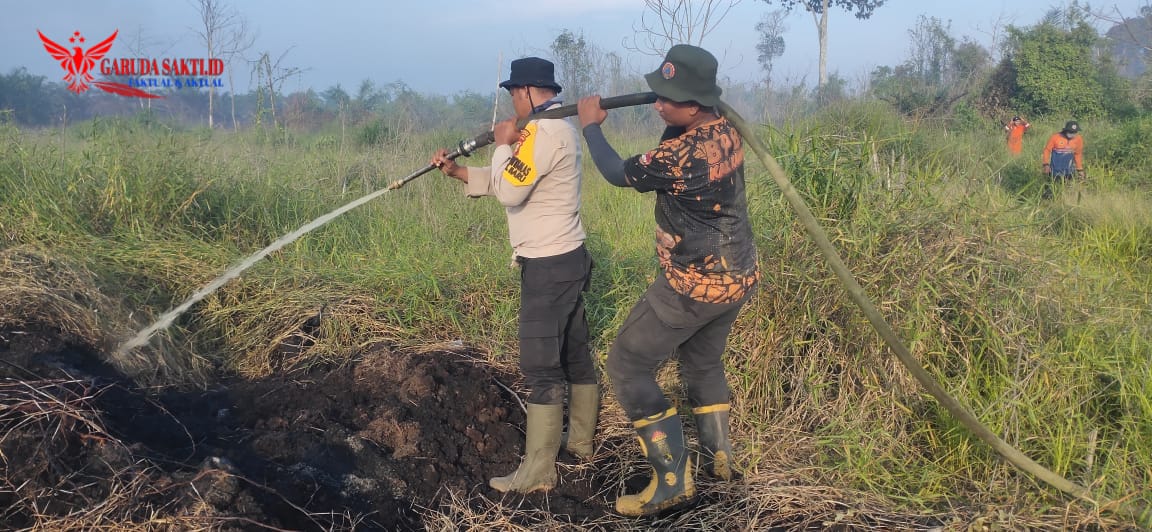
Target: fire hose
[(858, 296), (855, 292), (466, 147), (811, 226)]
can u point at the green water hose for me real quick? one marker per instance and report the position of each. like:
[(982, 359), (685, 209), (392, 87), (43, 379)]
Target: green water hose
[(856, 292), (1132, 511)]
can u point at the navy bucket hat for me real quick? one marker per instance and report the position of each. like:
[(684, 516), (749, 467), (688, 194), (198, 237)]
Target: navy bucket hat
[(532, 72)]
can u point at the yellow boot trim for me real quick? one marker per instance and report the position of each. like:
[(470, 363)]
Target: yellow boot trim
[(654, 418), (634, 505), (711, 408), (720, 466)]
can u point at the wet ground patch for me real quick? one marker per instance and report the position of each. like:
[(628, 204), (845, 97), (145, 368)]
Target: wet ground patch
[(373, 444)]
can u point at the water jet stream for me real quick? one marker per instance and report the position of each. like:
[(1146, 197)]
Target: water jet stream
[(463, 149)]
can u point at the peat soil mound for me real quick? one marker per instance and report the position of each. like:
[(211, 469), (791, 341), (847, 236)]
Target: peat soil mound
[(374, 444)]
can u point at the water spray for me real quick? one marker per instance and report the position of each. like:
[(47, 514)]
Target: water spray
[(811, 226), (463, 149)]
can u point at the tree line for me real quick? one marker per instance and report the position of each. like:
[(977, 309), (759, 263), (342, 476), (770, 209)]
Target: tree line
[(1060, 65)]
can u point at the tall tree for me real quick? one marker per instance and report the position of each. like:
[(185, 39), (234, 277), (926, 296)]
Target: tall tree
[(939, 71), (573, 55), (1130, 37), (1055, 66), (238, 39), (932, 49), (668, 22), (270, 76), (216, 22), (336, 97), (771, 28), (862, 9)]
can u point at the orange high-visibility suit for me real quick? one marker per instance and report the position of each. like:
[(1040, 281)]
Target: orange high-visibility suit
[(1064, 155), (1016, 131)]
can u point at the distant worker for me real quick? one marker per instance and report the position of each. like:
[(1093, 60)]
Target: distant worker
[(1063, 156), (1015, 132), (535, 173), (707, 255)]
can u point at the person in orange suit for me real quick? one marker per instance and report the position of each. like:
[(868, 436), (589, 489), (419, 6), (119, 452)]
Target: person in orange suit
[(1064, 153), (1063, 156), (1015, 132)]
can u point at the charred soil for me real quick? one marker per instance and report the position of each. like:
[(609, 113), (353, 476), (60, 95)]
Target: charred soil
[(373, 444)]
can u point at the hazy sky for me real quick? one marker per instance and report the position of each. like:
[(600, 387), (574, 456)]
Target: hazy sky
[(446, 46)]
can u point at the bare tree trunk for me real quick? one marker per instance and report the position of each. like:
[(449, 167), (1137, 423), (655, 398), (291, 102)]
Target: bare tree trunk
[(211, 16), (217, 18), (822, 32), (271, 92), (211, 93), (232, 97)]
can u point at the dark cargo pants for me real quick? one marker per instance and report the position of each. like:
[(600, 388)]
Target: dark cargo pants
[(553, 327), (663, 324)]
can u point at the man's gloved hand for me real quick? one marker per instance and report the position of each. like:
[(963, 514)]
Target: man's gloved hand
[(1047, 169), (1081, 175)]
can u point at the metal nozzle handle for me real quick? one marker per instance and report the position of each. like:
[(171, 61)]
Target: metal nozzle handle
[(466, 147)]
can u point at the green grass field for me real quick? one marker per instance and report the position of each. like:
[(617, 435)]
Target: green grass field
[(1034, 313)]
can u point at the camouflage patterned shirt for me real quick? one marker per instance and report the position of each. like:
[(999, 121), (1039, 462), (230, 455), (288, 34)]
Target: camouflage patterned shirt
[(703, 236)]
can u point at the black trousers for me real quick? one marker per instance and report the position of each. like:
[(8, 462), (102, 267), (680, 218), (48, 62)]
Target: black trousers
[(665, 324), (553, 326)]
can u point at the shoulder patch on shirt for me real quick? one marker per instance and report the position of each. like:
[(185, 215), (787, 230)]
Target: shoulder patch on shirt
[(646, 158), (521, 168)]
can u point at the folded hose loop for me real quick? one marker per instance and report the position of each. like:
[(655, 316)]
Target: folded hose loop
[(856, 293)]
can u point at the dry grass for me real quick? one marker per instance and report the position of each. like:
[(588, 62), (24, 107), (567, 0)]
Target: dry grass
[(273, 328), (71, 474), (780, 489), (780, 493), (48, 421), (44, 292), (832, 433)]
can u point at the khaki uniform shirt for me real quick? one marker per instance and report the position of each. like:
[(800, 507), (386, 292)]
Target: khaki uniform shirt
[(538, 182)]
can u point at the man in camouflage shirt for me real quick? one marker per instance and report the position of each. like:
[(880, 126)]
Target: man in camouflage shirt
[(708, 261)]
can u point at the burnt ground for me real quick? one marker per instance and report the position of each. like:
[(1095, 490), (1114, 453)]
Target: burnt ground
[(370, 445)]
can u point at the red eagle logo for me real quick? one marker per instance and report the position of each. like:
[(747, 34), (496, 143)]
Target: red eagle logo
[(78, 62)]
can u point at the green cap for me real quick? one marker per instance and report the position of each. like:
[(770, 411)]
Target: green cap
[(688, 74)]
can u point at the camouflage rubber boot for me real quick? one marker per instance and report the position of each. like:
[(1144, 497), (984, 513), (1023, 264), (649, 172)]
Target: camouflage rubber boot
[(715, 444), (583, 408), (662, 442), (538, 469)]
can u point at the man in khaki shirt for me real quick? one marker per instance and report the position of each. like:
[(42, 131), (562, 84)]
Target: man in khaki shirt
[(535, 174)]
